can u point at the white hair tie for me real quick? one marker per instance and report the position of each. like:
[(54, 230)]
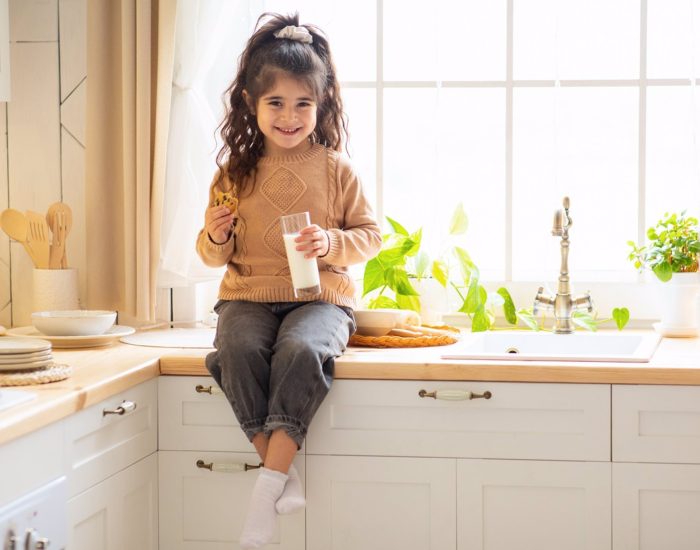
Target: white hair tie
[(300, 34)]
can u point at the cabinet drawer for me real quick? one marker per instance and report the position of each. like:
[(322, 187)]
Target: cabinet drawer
[(543, 421), (201, 509), (98, 444), (656, 424), (192, 419)]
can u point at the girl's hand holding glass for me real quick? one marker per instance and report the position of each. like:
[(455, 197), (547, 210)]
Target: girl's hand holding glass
[(218, 221), (314, 241)]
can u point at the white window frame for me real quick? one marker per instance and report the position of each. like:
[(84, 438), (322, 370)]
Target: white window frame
[(637, 296)]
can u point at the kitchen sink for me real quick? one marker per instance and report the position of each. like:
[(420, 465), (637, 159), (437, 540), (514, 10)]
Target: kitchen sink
[(547, 346), (9, 398)]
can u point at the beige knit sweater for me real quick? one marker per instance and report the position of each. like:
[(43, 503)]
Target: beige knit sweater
[(319, 181)]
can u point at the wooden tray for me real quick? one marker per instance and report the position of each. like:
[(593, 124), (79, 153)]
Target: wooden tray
[(449, 335)]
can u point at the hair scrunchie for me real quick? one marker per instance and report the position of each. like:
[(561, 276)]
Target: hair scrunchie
[(300, 34)]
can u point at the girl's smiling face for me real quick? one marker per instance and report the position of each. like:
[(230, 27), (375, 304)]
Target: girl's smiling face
[(286, 116)]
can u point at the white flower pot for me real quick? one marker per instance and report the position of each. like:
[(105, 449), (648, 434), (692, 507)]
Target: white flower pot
[(433, 300), (678, 302)]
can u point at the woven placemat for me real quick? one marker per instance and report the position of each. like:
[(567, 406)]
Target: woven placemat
[(390, 341), (53, 373)]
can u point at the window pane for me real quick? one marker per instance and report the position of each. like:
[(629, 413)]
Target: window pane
[(582, 143), (410, 40), (673, 179), (670, 42), (472, 40), (471, 170), (361, 108), (351, 28), (596, 39), (410, 156)]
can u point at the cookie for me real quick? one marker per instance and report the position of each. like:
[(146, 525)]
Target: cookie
[(228, 200)]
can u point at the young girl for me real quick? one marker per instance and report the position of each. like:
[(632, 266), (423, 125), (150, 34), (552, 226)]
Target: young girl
[(275, 353)]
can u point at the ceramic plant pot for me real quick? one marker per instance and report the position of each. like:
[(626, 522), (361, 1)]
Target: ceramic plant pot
[(678, 303), (433, 300)]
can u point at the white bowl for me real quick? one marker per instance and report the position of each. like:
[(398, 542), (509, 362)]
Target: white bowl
[(378, 322), (77, 322)]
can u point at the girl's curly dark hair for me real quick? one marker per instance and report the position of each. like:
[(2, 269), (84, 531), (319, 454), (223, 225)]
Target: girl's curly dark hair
[(262, 60)]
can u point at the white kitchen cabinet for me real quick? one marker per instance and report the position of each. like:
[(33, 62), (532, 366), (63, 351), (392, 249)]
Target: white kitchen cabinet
[(118, 513), (380, 503), (111, 435), (201, 509), (451, 497), (656, 467), (542, 505), (656, 506), (519, 420), (194, 414)]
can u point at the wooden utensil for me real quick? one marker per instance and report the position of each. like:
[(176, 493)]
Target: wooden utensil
[(38, 238), (15, 224), (55, 219), (64, 226)]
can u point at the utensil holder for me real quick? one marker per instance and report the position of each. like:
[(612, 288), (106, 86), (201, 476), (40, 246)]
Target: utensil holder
[(55, 289)]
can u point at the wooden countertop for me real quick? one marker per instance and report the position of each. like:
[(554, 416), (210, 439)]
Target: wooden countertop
[(99, 373)]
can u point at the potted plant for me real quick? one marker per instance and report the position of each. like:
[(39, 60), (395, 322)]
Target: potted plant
[(672, 254), (398, 275)]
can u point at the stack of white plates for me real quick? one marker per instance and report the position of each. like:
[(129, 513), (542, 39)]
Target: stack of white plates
[(24, 353)]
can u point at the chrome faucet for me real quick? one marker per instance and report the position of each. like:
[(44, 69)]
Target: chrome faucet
[(562, 304)]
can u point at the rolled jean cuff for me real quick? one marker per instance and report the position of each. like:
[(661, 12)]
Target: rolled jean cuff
[(253, 427), (293, 426)]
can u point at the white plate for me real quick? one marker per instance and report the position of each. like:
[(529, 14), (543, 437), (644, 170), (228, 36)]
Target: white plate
[(675, 332), (112, 335), (23, 345), (24, 357), (30, 365)]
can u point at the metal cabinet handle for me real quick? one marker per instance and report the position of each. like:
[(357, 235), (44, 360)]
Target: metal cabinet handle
[(125, 407), (42, 544), (227, 467), (211, 390), (454, 395)]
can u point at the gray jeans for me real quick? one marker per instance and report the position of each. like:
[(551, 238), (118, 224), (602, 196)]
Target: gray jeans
[(274, 361)]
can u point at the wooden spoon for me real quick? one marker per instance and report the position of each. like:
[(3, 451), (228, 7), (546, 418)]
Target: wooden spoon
[(57, 243), (15, 224)]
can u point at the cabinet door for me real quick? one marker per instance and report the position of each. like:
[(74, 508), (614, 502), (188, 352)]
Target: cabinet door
[(656, 424), (656, 507), (513, 504), (121, 512), (518, 421), (111, 435), (378, 503), (204, 510)]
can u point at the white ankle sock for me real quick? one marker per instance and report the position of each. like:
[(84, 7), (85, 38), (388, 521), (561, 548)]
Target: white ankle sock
[(292, 498), (260, 522)]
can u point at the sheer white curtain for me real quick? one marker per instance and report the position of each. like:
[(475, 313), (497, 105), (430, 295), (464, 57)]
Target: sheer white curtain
[(206, 32)]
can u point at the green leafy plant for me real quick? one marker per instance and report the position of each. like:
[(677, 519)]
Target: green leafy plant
[(401, 261), (674, 247)]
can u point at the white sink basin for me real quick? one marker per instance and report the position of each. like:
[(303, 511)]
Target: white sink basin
[(9, 398), (546, 346)]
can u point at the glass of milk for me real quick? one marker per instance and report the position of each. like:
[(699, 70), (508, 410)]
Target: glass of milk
[(304, 271)]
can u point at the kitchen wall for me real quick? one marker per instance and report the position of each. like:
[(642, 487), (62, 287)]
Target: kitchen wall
[(42, 159)]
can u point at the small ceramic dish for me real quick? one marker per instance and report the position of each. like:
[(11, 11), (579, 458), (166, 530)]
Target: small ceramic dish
[(378, 322), (77, 322)]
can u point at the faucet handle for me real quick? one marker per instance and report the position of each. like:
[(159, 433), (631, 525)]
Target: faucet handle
[(542, 301), (584, 302)]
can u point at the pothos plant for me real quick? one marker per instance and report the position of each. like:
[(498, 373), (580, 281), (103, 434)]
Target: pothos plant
[(401, 261), (673, 247)]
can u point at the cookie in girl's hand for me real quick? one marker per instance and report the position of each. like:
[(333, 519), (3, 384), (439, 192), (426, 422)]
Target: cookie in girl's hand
[(228, 200)]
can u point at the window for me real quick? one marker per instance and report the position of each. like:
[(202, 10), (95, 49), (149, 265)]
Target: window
[(508, 106)]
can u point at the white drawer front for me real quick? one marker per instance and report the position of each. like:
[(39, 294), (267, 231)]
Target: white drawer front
[(197, 420), (201, 509), (31, 461), (543, 421), (99, 444), (656, 424)]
